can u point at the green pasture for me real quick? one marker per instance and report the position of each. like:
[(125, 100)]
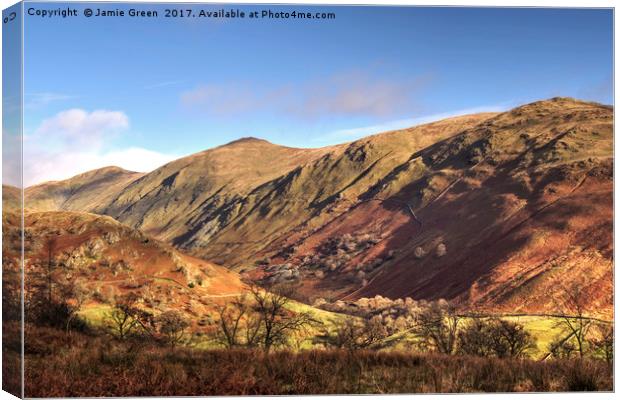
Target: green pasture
[(544, 329)]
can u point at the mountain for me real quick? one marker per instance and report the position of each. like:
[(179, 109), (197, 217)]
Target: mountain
[(189, 200), (11, 197), (498, 217), (496, 211), (90, 191), (227, 203)]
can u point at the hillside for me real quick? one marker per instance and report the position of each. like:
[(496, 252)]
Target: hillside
[(11, 197), (90, 191), (189, 200), (108, 259), (227, 203), (499, 217), (495, 211)]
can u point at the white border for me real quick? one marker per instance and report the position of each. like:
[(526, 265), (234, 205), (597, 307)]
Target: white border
[(481, 3)]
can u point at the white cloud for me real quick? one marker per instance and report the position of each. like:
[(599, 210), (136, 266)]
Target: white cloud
[(353, 93), (76, 141), (227, 100), (358, 93), (78, 124), (49, 167)]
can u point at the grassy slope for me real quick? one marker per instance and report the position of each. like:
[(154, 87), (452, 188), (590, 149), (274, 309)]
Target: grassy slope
[(239, 197), (523, 202), (89, 191), (110, 259), (544, 330), (203, 191), (11, 198), (277, 213)]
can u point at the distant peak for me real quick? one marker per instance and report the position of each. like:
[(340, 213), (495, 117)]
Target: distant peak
[(247, 140), (563, 100), (554, 104), (112, 169)]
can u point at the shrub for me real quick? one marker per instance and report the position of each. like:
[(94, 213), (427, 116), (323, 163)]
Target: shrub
[(419, 252), (580, 378), (354, 334), (319, 302), (263, 261), (603, 344), (441, 250), (494, 337), (331, 265), (437, 326), (172, 327), (562, 347), (94, 367), (361, 275)]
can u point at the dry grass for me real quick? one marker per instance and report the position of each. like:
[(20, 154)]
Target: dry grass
[(11, 355), (92, 366)]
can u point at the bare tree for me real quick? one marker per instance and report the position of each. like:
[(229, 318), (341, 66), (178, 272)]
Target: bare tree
[(603, 343), (494, 337), (238, 325), (571, 304), (276, 321), (476, 339), (50, 248), (39, 283), (172, 327), (230, 322), (512, 337), (561, 347), (52, 299), (75, 294), (437, 327), (262, 319), (126, 318), (355, 334)]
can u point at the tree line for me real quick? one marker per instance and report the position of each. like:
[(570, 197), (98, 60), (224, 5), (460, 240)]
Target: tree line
[(264, 318)]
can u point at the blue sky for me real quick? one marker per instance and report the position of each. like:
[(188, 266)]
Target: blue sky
[(11, 99), (139, 92)]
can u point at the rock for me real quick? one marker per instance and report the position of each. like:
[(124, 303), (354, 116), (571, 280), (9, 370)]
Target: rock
[(112, 237)]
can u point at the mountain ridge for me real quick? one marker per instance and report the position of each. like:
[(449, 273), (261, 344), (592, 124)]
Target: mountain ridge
[(392, 192)]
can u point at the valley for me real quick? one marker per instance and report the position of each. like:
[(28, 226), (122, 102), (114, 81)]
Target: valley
[(485, 236), (492, 211)]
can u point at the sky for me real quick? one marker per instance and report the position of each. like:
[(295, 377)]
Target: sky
[(139, 92), (11, 99)]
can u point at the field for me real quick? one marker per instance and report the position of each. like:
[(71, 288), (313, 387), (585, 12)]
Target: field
[(543, 329), (83, 365)]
